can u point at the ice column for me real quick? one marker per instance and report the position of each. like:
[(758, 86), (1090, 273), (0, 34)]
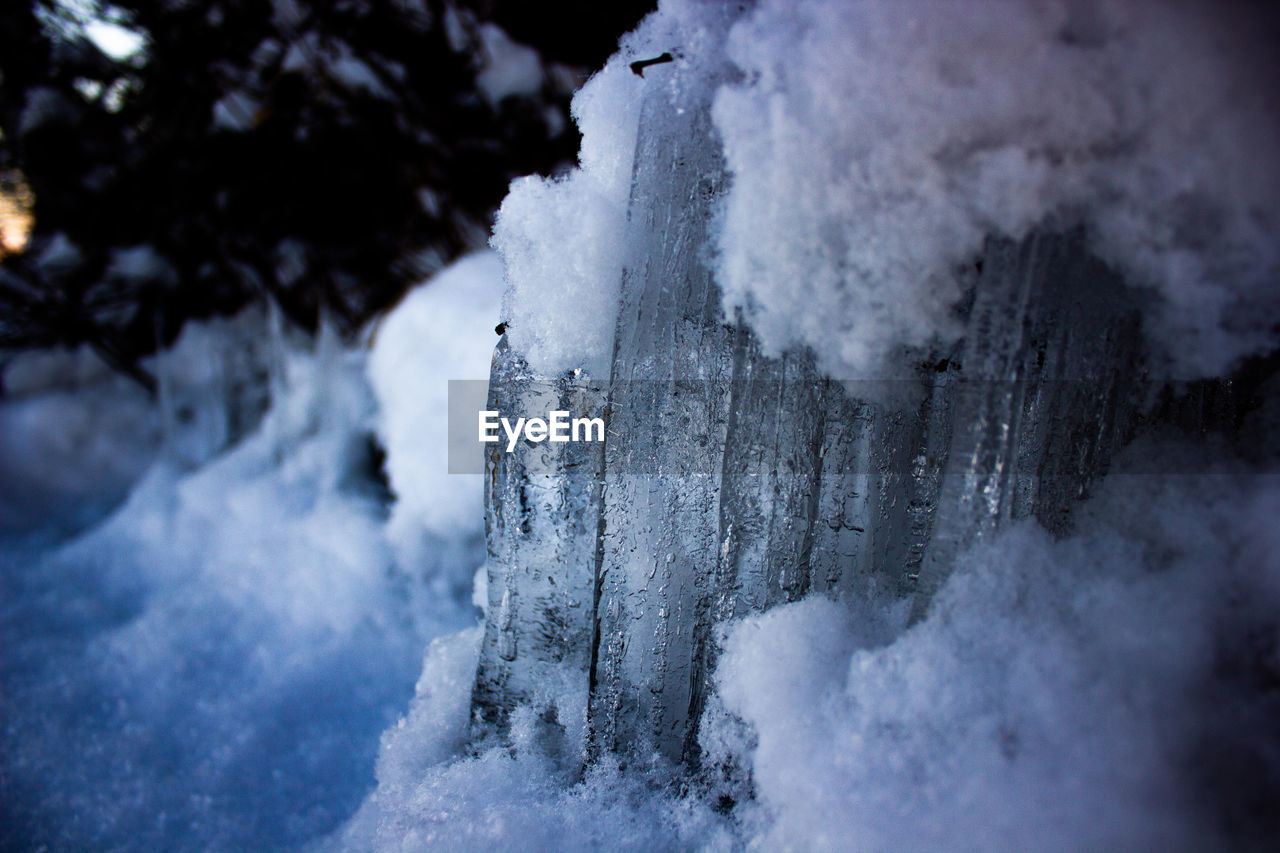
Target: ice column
[(542, 506), (731, 481)]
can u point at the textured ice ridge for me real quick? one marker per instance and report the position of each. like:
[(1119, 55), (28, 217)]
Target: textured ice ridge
[(731, 481)]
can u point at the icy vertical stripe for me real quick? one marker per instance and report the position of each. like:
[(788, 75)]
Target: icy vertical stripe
[(542, 509), (562, 240), (442, 330), (874, 144), (1045, 397), (669, 399)]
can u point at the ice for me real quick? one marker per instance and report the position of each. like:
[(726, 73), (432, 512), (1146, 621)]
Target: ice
[(542, 512), (1061, 692), (868, 340), (669, 382), (898, 539), (735, 480), (432, 796)]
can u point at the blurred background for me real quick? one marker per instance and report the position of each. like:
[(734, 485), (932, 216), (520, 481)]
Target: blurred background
[(169, 160), (226, 534)]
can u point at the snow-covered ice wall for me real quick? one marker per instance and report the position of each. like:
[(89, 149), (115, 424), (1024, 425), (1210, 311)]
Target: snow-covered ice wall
[(886, 278)]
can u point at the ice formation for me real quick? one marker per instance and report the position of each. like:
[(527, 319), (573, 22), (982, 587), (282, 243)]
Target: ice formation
[(895, 289), (899, 539)]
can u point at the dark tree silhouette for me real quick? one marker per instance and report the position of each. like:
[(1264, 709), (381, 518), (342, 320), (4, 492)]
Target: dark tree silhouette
[(324, 156)]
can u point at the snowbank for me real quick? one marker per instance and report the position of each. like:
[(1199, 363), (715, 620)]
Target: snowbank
[(212, 665), (1061, 695), (440, 331)]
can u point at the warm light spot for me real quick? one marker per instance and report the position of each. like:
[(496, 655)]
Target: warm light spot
[(17, 206)]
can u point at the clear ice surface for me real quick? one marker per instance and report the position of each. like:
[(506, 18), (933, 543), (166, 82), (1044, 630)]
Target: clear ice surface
[(731, 481)]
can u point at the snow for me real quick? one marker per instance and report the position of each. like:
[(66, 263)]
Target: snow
[(114, 40), (72, 475), (44, 105), (288, 14), (873, 145), (210, 667), (1060, 695), (440, 331), (431, 797), (76, 436), (509, 68), (355, 74), (141, 263), (226, 659), (563, 240), (59, 256), (298, 56), (872, 148), (235, 111), (200, 647)]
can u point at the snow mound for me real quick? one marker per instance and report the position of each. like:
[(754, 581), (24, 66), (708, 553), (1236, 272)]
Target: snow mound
[(873, 145), (1060, 695), (441, 330)]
